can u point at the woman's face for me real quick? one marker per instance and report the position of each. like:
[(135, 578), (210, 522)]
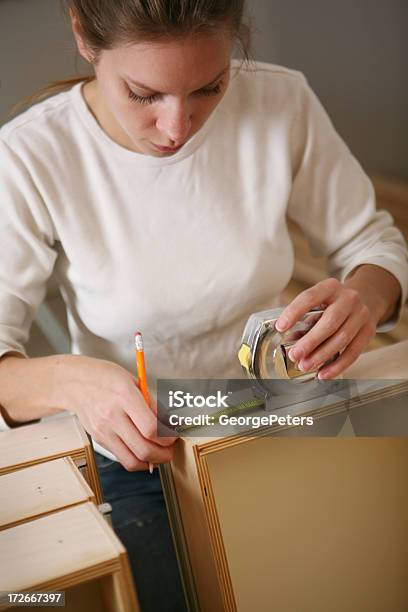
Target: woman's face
[(152, 97)]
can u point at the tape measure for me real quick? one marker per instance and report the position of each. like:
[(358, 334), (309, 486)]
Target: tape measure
[(264, 351)]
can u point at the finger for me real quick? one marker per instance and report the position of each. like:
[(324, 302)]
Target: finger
[(123, 454), (335, 344), (329, 323), (350, 354), (320, 293), (141, 447), (341, 326), (163, 428), (146, 422)]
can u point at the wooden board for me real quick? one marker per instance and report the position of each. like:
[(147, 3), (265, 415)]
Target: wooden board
[(49, 439), (188, 496), (313, 522), (63, 550), (389, 362), (40, 489)]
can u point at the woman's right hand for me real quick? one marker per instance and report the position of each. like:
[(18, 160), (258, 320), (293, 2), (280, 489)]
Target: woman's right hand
[(104, 396), (110, 406)]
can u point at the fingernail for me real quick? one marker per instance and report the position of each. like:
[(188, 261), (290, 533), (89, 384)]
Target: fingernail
[(295, 353), (281, 324), (302, 366)]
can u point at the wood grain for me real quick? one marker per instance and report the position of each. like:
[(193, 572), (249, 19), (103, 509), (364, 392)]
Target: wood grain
[(46, 440), (64, 550), (41, 489)]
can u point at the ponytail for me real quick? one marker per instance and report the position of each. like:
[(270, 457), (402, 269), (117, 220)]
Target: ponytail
[(48, 90)]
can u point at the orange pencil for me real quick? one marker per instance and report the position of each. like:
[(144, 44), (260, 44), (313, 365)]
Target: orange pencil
[(141, 374)]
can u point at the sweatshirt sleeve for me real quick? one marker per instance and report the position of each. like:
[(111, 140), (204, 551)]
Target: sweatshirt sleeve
[(27, 253), (333, 202)]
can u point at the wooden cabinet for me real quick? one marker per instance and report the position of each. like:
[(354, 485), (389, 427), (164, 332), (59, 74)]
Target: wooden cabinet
[(290, 521), (73, 550), (52, 535)]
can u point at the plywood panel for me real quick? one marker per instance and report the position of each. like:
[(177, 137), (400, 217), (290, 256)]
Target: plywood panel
[(190, 494), (388, 362), (70, 543), (314, 524), (72, 550), (57, 437), (41, 441), (41, 489)]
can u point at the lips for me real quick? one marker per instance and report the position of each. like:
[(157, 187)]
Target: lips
[(166, 149)]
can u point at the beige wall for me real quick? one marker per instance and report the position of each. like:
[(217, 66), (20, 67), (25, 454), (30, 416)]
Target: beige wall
[(355, 54)]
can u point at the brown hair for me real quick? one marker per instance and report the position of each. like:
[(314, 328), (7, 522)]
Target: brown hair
[(109, 23)]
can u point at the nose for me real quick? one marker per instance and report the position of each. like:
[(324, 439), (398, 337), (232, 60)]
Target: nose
[(174, 121)]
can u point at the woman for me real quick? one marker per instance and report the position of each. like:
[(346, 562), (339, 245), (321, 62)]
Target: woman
[(160, 189)]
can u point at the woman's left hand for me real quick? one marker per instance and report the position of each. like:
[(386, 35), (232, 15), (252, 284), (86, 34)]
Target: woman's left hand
[(347, 325)]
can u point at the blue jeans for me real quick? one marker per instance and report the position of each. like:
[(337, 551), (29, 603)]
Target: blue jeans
[(140, 520)]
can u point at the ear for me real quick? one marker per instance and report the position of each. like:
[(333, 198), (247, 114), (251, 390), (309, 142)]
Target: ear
[(83, 48)]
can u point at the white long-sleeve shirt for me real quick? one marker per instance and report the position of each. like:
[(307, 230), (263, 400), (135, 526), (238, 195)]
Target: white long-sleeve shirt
[(184, 247)]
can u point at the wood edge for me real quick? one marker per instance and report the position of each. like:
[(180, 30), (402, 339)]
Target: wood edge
[(118, 590), (387, 352), (184, 469), (93, 474), (73, 579), (179, 536), (129, 587), (18, 466), (80, 479), (116, 543), (40, 515), (80, 429), (340, 406), (96, 571), (217, 543)]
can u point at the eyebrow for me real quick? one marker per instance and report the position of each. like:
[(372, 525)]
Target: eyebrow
[(147, 88)]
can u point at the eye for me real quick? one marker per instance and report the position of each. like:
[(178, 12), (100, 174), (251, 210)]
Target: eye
[(145, 100), (211, 91)]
